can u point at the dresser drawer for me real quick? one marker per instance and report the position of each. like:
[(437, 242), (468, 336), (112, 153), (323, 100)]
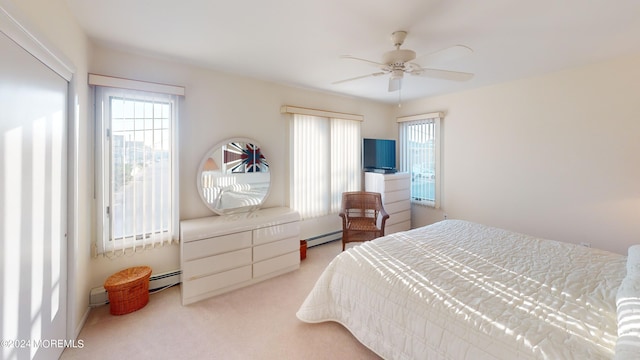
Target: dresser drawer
[(399, 217), (395, 196), (401, 226), (398, 206), (214, 264), (217, 281), (211, 246), (266, 267), (275, 248), (276, 232), (396, 184)]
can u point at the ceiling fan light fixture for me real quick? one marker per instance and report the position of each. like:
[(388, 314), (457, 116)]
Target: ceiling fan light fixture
[(398, 56), (397, 74)]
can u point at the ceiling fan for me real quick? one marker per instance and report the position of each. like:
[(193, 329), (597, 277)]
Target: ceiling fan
[(399, 62)]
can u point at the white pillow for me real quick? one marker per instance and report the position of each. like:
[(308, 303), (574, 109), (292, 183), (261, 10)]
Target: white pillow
[(628, 309), (633, 261)]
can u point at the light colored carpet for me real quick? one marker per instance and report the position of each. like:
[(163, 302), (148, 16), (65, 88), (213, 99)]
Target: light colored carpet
[(256, 322)]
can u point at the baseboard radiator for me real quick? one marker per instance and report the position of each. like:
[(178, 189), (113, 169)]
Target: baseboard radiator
[(324, 238), (157, 282)]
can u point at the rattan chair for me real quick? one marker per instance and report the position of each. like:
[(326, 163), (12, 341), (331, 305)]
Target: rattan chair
[(363, 216)]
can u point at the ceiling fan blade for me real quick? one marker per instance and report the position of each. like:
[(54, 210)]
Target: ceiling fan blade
[(447, 54), (395, 84), (358, 77), (375, 63), (444, 74)]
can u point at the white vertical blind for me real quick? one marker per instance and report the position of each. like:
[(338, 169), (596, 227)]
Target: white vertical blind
[(138, 176), (310, 168), (346, 160), (325, 161), (420, 155)]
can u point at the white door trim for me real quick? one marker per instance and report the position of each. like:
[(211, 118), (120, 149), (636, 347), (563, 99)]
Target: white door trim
[(18, 29)]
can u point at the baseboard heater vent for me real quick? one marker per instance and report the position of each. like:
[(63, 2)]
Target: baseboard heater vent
[(157, 282), (164, 280), (324, 238)]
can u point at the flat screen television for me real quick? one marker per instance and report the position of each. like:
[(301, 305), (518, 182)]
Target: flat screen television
[(379, 155)]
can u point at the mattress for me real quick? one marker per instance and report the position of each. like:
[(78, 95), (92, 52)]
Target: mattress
[(460, 290)]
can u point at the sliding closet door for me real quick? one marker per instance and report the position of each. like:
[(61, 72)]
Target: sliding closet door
[(33, 278)]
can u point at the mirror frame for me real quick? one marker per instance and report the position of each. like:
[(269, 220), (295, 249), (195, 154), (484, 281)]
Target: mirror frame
[(208, 155)]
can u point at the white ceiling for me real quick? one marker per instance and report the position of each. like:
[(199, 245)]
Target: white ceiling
[(299, 42)]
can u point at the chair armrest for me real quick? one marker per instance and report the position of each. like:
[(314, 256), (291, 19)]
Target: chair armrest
[(345, 219), (382, 220)]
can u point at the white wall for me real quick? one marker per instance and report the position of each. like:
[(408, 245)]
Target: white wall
[(556, 156), (218, 106)]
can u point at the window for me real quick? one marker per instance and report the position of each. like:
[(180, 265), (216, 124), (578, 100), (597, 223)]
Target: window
[(420, 156), (325, 162), (136, 169)]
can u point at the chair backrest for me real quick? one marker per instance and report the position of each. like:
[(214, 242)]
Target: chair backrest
[(361, 204)]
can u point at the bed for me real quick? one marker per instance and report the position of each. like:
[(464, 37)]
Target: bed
[(460, 290)]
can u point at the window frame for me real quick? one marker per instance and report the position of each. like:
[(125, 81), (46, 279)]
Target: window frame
[(105, 245), (406, 164)]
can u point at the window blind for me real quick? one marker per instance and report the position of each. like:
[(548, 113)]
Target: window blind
[(325, 162), (310, 167), (137, 169), (419, 138), (345, 160)]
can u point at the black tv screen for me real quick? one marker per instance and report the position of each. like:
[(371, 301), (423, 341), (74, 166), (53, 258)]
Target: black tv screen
[(379, 154)]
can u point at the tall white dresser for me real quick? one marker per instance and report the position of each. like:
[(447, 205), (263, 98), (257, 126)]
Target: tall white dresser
[(396, 198), (222, 253)]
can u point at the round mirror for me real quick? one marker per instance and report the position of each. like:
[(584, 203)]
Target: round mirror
[(234, 177)]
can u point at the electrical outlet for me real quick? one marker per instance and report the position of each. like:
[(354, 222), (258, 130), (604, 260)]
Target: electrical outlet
[(446, 216)]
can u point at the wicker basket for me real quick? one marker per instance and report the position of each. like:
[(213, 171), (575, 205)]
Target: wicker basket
[(128, 289)]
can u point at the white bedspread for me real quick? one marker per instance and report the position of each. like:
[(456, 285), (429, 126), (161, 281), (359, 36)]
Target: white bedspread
[(459, 290)]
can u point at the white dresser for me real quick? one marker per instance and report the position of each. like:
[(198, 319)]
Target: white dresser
[(396, 198), (222, 253)]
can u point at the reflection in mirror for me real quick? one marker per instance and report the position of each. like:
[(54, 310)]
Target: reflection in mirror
[(234, 177)]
